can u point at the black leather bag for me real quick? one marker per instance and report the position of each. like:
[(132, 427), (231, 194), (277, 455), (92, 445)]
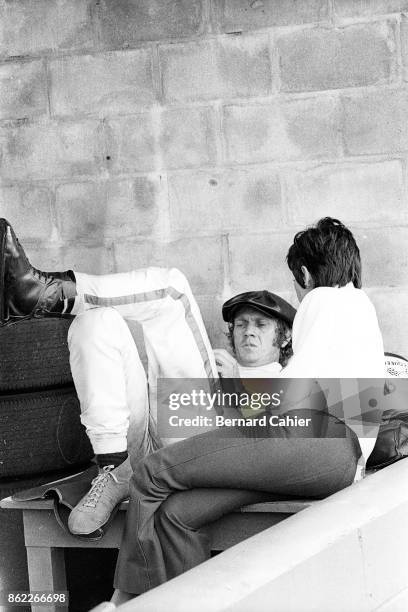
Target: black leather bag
[(392, 439), (66, 493)]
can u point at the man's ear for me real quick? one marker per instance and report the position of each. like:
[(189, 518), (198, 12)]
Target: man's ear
[(288, 337), (307, 278)]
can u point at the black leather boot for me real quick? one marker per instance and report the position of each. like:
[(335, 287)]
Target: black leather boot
[(26, 292)]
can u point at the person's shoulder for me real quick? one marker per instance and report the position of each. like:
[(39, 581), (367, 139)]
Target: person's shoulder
[(347, 292), (320, 295), (347, 299)]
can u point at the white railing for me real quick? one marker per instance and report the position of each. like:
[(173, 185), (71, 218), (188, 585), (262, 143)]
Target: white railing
[(348, 552)]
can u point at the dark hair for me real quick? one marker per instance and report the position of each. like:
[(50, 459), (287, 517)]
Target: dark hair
[(282, 328), (329, 252)]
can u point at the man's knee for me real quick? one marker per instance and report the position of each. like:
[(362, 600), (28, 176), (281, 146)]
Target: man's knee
[(92, 323), (150, 477), (173, 512), (178, 280)]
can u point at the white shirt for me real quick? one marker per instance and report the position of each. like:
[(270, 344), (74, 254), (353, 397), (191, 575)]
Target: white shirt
[(336, 335), (269, 370)]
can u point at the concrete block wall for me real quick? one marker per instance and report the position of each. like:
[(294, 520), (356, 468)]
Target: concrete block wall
[(203, 134)]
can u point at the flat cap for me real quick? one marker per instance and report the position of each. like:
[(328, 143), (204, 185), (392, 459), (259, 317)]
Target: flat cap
[(266, 302)]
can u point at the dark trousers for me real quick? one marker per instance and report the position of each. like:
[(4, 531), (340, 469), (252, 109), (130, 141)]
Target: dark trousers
[(179, 488)]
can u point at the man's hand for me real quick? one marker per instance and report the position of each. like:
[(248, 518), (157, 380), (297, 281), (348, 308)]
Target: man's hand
[(227, 365)]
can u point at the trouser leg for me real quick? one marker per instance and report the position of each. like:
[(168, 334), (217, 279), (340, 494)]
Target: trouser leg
[(295, 467), (179, 519), (161, 300), (110, 382)]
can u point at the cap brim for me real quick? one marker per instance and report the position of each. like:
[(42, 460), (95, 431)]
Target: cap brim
[(229, 313)]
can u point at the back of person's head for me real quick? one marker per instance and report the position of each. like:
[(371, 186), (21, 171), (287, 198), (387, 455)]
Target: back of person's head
[(330, 253)]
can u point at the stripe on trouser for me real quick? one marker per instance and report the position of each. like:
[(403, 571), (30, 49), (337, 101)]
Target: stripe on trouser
[(160, 294)]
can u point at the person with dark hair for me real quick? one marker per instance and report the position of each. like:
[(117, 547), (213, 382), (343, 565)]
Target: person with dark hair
[(177, 490), (336, 332), (328, 252)]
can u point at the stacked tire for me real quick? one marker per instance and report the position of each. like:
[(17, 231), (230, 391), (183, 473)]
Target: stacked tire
[(40, 428)]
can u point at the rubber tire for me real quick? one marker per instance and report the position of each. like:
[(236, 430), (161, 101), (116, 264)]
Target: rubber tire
[(41, 432), (34, 355)]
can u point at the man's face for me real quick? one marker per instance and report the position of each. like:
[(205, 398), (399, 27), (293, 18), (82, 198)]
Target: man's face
[(255, 338)]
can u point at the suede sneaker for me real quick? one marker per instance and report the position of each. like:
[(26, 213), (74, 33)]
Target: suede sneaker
[(95, 508)]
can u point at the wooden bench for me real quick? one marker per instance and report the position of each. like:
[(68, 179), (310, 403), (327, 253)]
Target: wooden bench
[(45, 539)]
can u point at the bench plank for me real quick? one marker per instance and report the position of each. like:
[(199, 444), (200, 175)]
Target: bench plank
[(42, 529), (46, 540), (286, 506)]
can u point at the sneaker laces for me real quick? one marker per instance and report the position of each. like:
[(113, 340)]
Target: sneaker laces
[(98, 484)]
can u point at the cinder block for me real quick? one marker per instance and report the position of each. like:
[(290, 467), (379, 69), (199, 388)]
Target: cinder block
[(131, 143), (134, 254), (23, 90), (226, 67), (187, 137), (241, 198), (210, 307), (45, 256), (241, 15), (105, 83), (28, 209), (107, 210), (80, 258), (259, 262), (376, 122), (34, 27), (404, 46), (10, 203), (124, 24), (355, 193), (354, 56), (199, 259), (51, 150), (88, 259), (296, 129), (367, 8), (384, 255)]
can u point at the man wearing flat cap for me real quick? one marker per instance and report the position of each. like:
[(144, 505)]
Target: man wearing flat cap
[(181, 487), (259, 324)]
